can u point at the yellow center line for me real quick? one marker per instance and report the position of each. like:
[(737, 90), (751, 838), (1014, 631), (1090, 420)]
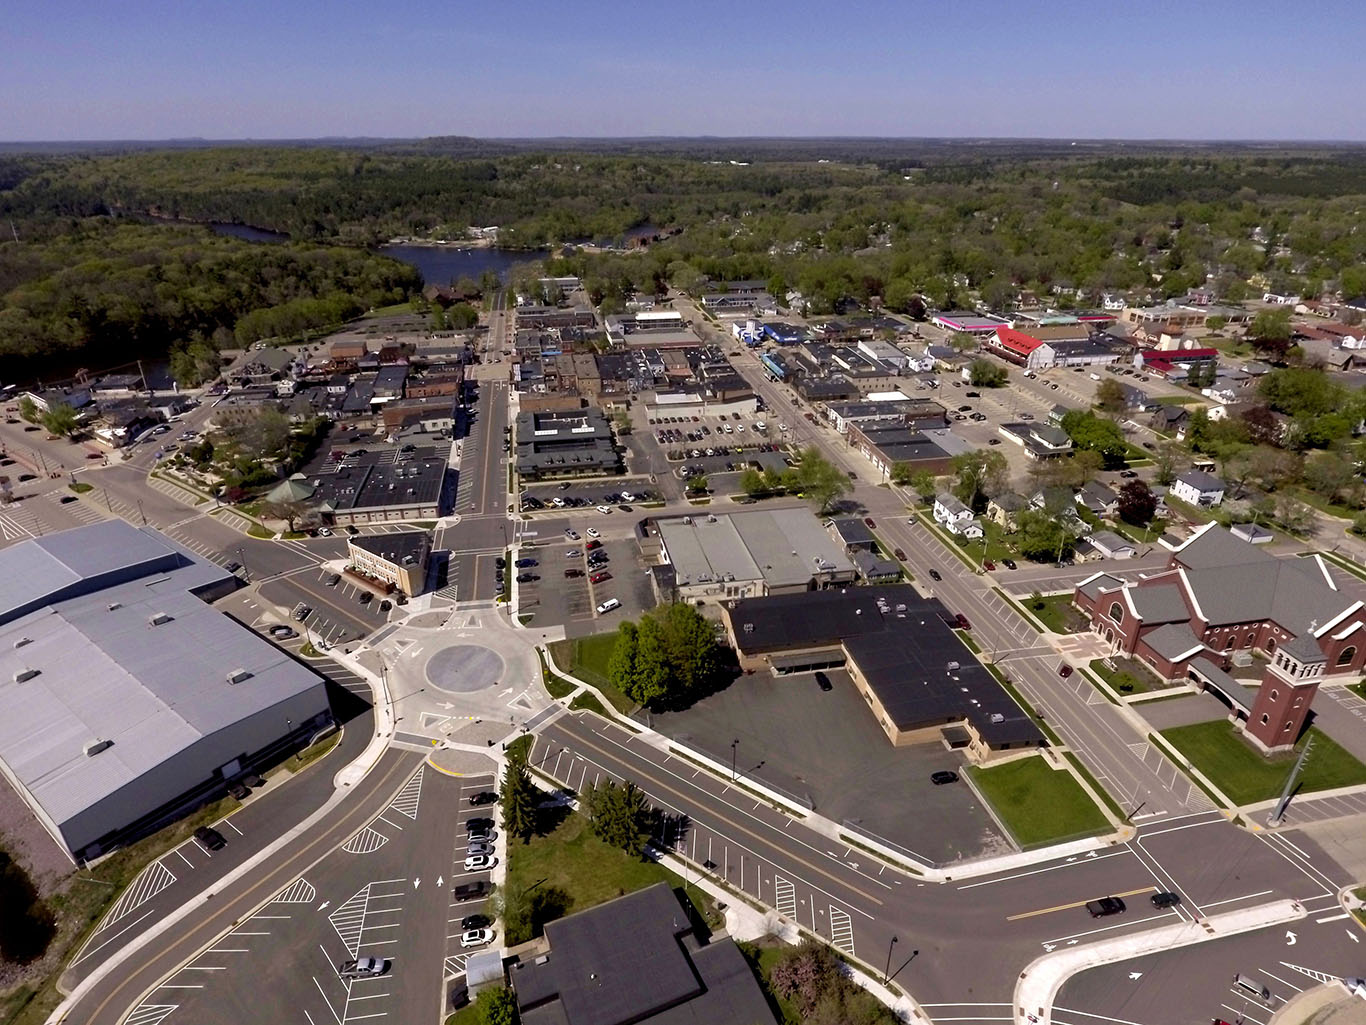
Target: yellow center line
[(1077, 904), (735, 825)]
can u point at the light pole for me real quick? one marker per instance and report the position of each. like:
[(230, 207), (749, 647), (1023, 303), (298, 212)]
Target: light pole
[(242, 558), (887, 972), (733, 745)]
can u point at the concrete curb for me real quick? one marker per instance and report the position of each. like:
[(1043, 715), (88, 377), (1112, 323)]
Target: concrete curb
[(1041, 981)]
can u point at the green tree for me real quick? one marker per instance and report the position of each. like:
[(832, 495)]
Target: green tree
[(263, 436), (290, 510), (902, 473), (692, 649), (1301, 391), (1096, 434), (1110, 396), (1331, 475), (462, 317), (1042, 537), (697, 483), (821, 480), (986, 374), (1269, 332), (496, 1006), (621, 665), (1168, 461), (620, 815), (978, 475), (28, 410), (964, 342), (438, 320), (650, 682), (519, 799), (924, 484), (60, 419), (752, 483)]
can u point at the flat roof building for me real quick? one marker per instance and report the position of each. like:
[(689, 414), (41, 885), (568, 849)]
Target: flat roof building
[(125, 698), (398, 559), (565, 444), (920, 681), (398, 482), (743, 554)]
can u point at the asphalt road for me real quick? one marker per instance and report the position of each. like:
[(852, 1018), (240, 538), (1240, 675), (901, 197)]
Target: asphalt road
[(974, 934)]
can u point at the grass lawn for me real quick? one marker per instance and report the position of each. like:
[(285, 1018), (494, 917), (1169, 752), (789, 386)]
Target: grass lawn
[(80, 487), (1038, 804), (586, 702), (1056, 613), (569, 869), (1128, 676), (1246, 776), (586, 658), (1359, 689), (998, 545), (1141, 535)]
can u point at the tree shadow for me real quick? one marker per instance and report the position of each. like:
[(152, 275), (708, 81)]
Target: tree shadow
[(550, 815), (546, 905)]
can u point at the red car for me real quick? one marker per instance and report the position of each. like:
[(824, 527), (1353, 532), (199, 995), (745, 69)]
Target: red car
[(962, 621), (591, 545), (989, 565), (1064, 670), (599, 578), (868, 522)]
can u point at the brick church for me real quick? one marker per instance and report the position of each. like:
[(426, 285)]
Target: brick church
[(1219, 595)]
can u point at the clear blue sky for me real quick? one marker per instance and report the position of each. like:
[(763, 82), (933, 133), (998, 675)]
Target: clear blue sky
[(1203, 69)]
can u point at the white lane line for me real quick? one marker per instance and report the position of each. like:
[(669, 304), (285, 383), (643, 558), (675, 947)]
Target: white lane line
[(1230, 900), (1331, 918)]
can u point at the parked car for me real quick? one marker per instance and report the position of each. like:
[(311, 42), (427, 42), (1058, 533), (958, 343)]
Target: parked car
[(332, 579), (1165, 900), (1008, 563), (899, 554), (475, 922), (593, 532), (1105, 907), (302, 611), (1064, 670), (934, 575), (524, 563), (988, 565), (482, 798), (573, 572), (823, 681), (210, 839), (600, 578), (868, 522), (365, 597), (478, 847), (480, 862), (943, 776), (526, 578), (961, 621), (471, 891), (66, 499), (283, 633), (362, 968)]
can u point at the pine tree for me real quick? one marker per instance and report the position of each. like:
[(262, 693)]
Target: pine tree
[(519, 801)]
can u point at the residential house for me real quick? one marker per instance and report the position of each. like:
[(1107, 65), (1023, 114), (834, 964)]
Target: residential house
[(1106, 544), (1196, 487), (950, 513), (1099, 499), (1003, 510), (1170, 420)]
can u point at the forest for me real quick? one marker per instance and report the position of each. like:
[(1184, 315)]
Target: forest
[(914, 223)]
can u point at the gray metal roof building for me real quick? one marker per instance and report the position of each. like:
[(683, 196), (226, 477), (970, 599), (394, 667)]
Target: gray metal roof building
[(124, 696)]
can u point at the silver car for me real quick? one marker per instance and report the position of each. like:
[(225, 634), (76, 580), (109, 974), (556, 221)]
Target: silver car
[(477, 847), (362, 968)]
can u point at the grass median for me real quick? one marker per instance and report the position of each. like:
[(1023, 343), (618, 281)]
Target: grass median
[(587, 658), (1038, 804), (1246, 776)]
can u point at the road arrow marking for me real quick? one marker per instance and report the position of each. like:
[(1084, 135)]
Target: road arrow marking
[(324, 904), (1355, 937), (440, 881), (417, 883), (1135, 976), (1290, 938)]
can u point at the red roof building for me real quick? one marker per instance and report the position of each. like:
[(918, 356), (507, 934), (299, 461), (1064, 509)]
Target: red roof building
[(1016, 346)]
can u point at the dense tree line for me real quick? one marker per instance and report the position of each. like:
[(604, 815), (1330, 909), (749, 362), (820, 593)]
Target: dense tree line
[(115, 291)]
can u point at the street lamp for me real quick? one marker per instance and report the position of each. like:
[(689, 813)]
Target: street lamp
[(887, 972), (733, 745)]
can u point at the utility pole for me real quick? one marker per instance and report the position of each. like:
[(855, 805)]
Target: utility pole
[(1278, 812)]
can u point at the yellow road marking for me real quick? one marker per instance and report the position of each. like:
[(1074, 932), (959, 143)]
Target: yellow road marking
[(742, 829), (1077, 904)]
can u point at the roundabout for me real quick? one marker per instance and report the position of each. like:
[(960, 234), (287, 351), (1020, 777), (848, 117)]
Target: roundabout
[(465, 669)]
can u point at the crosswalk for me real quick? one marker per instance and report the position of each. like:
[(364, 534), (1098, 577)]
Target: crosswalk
[(841, 930), (183, 495), (784, 897), (235, 520)]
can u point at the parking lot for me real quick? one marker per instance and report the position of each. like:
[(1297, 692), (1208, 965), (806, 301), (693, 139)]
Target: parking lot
[(338, 615), (587, 495), (568, 588), (825, 747)]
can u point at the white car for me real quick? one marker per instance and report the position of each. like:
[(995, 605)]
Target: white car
[(593, 532), (324, 531), (605, 509), (475, 847), (483, 836), (476, 937), (557, 502), (480, 862), (782, 427), (739, 428), (626, 496)]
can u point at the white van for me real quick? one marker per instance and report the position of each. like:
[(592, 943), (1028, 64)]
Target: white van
[(608, 606), (1095, 377)]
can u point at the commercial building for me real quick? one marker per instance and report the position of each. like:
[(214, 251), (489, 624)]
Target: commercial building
[(565, 444), (743, 554), (125, 698), (394, 483), (919, 680), (635, 961), (888, 442), (397, 560), (967, 322)]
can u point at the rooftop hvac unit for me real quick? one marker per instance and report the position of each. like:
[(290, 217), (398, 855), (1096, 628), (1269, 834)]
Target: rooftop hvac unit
[(997, 717), (159, 619), (749, 628), (114, 605), (24, 675), (22, 641), (952, 667), (94, 747), (238, 676)]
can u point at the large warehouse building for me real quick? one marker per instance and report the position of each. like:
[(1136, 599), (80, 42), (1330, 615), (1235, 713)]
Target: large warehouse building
[(125, 698)]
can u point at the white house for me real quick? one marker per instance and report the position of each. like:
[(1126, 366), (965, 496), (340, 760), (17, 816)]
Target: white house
[(1109, 545), (950, 513), (920, 362), (1196, 487)]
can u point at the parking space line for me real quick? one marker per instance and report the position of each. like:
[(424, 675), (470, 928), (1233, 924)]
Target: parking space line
[(228, 823)]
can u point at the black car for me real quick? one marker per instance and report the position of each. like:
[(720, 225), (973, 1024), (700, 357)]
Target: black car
[(934, 575), (1165, 900), (526, 578), (478, 825), (823, 681), (943, 776), (365, 598), (238, 791), (500, 562), (210, 839), (524, 563), (483, 797), (233, 567), (1105, 907), (475, 922), (469, 891), (67, 498), (1008, 563)]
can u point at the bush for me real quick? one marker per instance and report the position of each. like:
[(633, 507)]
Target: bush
[(29, 924)]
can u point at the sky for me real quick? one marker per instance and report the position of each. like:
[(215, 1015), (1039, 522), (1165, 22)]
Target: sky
[(1199, 69)]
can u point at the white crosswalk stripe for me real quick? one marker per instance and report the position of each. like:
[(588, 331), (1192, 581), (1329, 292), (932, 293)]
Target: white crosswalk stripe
[(406, 801), (300, 891), (841, 930), (349, 920), (150, 1014), (455, 966), (784, 897), (151, 881), (365, 842)]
